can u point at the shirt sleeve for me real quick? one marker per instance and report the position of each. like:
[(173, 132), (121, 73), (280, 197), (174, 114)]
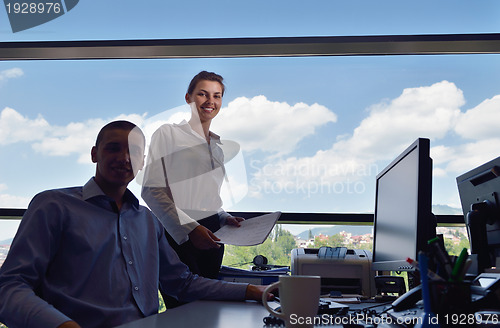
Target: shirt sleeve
[(176, 221), (23, 270), (157, 194), (223, 215), (177, 281)]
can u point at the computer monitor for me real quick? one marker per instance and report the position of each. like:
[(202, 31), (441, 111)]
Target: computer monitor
[(403, 220), (479, 191)]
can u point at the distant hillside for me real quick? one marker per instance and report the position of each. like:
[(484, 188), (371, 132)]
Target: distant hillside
[(333, 230), (446, 210), (6, 241)]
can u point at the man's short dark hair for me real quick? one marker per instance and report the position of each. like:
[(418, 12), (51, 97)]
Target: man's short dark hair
[(121, 125)]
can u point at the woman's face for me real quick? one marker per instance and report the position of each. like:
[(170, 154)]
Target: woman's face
[(207, 97)]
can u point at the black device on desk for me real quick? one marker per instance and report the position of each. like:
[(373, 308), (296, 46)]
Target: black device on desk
[(261, 264), (403, 221), (479, 194)]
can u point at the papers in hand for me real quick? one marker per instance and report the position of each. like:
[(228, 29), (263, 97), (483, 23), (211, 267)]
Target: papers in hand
[(251, 232)]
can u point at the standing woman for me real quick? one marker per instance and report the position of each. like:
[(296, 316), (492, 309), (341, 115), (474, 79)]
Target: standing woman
[(184, 176)]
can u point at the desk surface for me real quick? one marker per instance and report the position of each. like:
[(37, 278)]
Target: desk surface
[(209, 314), (212, 314)]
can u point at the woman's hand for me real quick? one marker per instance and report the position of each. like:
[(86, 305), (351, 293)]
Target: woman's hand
[(202, 238), (234, 220)]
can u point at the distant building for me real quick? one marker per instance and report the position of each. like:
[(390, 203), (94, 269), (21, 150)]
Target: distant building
[(322, 237), (304, 243), (452, 234)]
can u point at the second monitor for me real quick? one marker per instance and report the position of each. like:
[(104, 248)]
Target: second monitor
[(403, 221)]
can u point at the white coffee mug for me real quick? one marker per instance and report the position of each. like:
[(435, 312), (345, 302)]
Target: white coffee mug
[(299, 300)]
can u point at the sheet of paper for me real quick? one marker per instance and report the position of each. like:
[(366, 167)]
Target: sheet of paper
[(252, 231)]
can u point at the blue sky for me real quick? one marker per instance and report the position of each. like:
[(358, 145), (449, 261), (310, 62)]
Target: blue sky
[(293, 117), (118, 19)]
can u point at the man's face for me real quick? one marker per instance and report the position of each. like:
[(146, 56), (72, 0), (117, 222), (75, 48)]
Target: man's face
[(119, 156)]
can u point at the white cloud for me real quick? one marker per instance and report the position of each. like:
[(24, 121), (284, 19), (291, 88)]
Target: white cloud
[(467, 156), (438, 172), (481, 121), (16, 128), (277, 127), (51, 140), (10, 201), (10, 74), (78, 138), (441, 154), (73, 138), (429, 112), (479, 124)]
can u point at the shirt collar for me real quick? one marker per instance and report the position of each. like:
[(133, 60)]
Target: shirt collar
[(91, 190), (185, 125)]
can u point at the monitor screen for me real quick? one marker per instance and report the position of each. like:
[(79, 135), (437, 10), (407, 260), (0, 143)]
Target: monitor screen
[(479, 191), (403, 220)]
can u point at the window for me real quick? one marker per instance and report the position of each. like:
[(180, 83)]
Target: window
[(314, 130)]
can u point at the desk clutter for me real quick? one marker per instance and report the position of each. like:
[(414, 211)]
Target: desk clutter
[(446, 297), (332, 313)]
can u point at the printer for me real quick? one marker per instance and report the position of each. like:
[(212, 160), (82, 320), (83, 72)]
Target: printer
[(341, 270)]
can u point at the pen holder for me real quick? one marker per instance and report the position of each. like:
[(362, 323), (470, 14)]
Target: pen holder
[(449, 298)]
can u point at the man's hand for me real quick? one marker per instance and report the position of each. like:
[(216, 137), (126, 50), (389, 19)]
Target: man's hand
[(69, 324), (254, 292), (234, 220), (202, 238)]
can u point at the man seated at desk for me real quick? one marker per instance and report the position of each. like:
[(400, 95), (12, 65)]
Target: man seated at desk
[(91, 256)]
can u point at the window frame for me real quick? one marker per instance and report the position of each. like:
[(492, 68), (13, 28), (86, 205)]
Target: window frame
[(437, 44)]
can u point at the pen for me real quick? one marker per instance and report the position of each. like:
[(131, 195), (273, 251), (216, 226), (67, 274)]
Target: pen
[(456, 273), (466, 267), (431, 274), (425, 284), (441, 256)]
